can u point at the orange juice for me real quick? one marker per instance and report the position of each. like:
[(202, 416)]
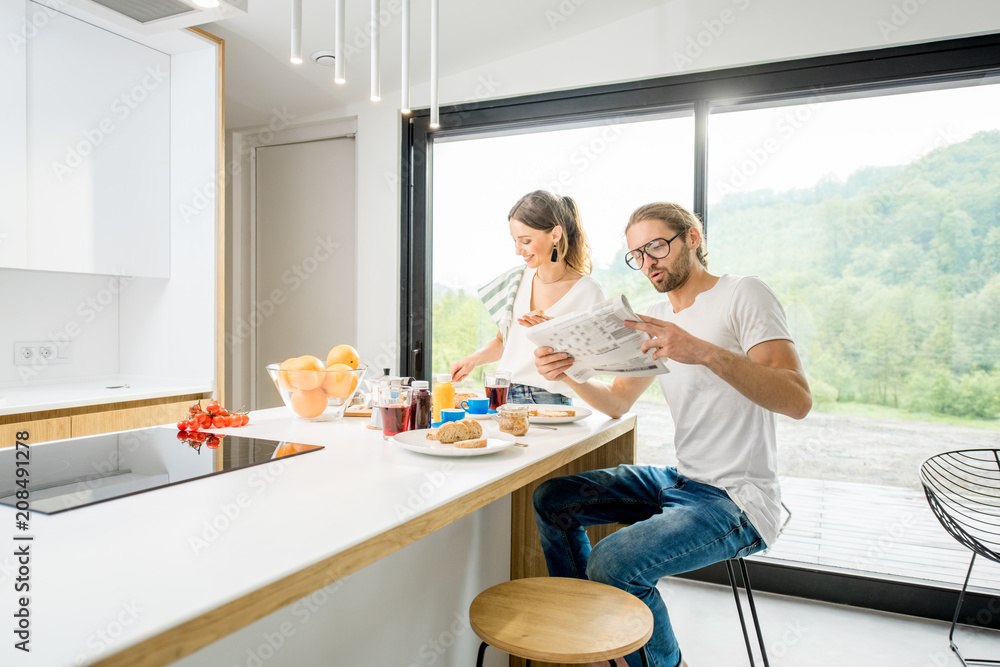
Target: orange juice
[(443, 397)]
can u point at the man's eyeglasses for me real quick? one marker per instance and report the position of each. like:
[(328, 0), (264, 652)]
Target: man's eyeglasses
[(656, 249)]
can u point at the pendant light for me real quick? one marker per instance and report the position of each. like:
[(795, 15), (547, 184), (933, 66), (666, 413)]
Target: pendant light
[(435, 114), (338, 73), (404, 89), (376, 92), (296, 32)]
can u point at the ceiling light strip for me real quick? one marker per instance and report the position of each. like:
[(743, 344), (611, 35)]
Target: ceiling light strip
[(339, 74), (435, 114), (296, 32), (376, 86), (404, 89)]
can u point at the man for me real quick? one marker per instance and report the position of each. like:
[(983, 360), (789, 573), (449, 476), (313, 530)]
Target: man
[(732, 366)]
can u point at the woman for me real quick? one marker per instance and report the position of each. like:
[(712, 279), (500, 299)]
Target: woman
[(554, 281)]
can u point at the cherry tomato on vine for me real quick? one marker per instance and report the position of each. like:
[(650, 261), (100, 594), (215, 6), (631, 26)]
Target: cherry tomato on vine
[(218, 421)]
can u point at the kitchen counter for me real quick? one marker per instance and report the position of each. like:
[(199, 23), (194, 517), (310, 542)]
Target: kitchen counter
[(38, 397), (151, 578)]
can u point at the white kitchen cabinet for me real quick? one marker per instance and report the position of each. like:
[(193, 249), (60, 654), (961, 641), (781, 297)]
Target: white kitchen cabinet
[(13, 218), (98, 151)]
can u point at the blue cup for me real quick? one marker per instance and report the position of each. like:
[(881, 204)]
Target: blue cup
[(452, 415), (476, 406)]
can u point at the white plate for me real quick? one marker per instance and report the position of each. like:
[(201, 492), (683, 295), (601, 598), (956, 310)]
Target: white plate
[(581, 412), (486, 416), (416, 441)]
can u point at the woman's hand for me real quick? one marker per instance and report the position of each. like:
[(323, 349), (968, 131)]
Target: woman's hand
[(531, 319), (461, 369)]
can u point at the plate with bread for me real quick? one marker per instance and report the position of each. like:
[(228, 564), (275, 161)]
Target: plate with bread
[(540, 413), (465, 437)]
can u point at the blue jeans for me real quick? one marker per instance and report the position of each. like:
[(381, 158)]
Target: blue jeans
[(677, 525), (524, 393)]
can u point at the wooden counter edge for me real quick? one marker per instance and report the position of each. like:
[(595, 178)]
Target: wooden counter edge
[(188, 637)]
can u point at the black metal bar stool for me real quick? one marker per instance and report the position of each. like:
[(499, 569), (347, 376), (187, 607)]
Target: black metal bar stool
[(559, 619), (963, 490)]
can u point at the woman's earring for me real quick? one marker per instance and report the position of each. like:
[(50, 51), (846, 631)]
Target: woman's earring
[(555, 255)]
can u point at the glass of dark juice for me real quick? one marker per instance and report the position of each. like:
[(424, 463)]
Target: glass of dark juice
[(394, 405), (497, 385)]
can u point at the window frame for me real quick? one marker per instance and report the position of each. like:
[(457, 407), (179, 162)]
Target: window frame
[(954, 60)]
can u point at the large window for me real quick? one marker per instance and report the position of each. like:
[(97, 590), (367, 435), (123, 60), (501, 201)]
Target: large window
[(864, 188), (879, 228), (605, 165)]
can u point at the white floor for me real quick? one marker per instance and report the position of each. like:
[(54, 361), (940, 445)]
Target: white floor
[(801, 633)]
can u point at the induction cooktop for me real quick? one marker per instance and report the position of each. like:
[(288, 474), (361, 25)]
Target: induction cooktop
[(67, 474)]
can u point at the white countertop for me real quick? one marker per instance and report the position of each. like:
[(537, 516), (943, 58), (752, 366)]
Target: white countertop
[(137, 566), (19, 399)]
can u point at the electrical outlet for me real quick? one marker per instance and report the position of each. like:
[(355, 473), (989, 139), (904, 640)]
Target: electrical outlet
[(41, 353), (24, 354)]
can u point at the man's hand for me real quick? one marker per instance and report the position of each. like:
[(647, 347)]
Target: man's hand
[(552, 365), (670, 341), (770, 374)]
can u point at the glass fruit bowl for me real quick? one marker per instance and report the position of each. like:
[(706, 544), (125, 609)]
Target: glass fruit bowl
[(317, 395)]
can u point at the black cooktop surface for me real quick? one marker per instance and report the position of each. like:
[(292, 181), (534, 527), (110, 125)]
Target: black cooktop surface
[(67, 474)]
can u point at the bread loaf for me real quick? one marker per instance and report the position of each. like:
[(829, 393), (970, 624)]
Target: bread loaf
[(475, 429), (453, 432), (557, 413)]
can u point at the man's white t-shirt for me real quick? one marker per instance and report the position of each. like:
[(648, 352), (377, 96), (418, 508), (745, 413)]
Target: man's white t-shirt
[(519, 352), (723, 438)]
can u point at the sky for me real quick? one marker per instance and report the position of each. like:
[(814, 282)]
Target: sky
[(613, 167)]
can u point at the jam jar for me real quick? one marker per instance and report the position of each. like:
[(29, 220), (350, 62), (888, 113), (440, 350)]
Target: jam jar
[(513, 418)]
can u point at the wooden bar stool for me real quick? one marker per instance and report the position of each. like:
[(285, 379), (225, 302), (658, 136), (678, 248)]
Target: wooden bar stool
[(562, 620)]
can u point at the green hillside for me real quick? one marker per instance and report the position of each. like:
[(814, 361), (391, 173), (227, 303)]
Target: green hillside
[(891, 281)]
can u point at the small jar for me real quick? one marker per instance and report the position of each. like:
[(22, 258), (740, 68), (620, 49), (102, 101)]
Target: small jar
[(420, 407), (513, 418)]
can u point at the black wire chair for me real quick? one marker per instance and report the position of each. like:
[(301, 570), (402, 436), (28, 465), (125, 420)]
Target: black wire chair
[(963, 490)]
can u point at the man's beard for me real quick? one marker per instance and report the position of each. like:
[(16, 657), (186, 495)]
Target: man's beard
[(671, 280)]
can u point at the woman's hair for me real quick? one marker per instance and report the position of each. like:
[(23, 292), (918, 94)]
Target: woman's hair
[(677, 218), (543, 210)]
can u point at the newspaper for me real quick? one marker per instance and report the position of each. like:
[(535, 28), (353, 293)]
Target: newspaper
[(598, 341)]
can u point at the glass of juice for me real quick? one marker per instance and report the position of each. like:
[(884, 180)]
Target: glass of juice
[(497, 386), (394, 406)]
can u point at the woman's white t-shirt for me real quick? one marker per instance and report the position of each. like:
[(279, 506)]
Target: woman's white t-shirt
[(519, 352), (723, 438)]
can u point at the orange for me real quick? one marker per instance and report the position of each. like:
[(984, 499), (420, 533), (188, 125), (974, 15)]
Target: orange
[(340, 384), (343, 354), (284, 379), (308, 403), (306, 372)]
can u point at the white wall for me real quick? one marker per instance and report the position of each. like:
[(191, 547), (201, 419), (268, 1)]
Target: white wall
[(152, 327), (659, 42)]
